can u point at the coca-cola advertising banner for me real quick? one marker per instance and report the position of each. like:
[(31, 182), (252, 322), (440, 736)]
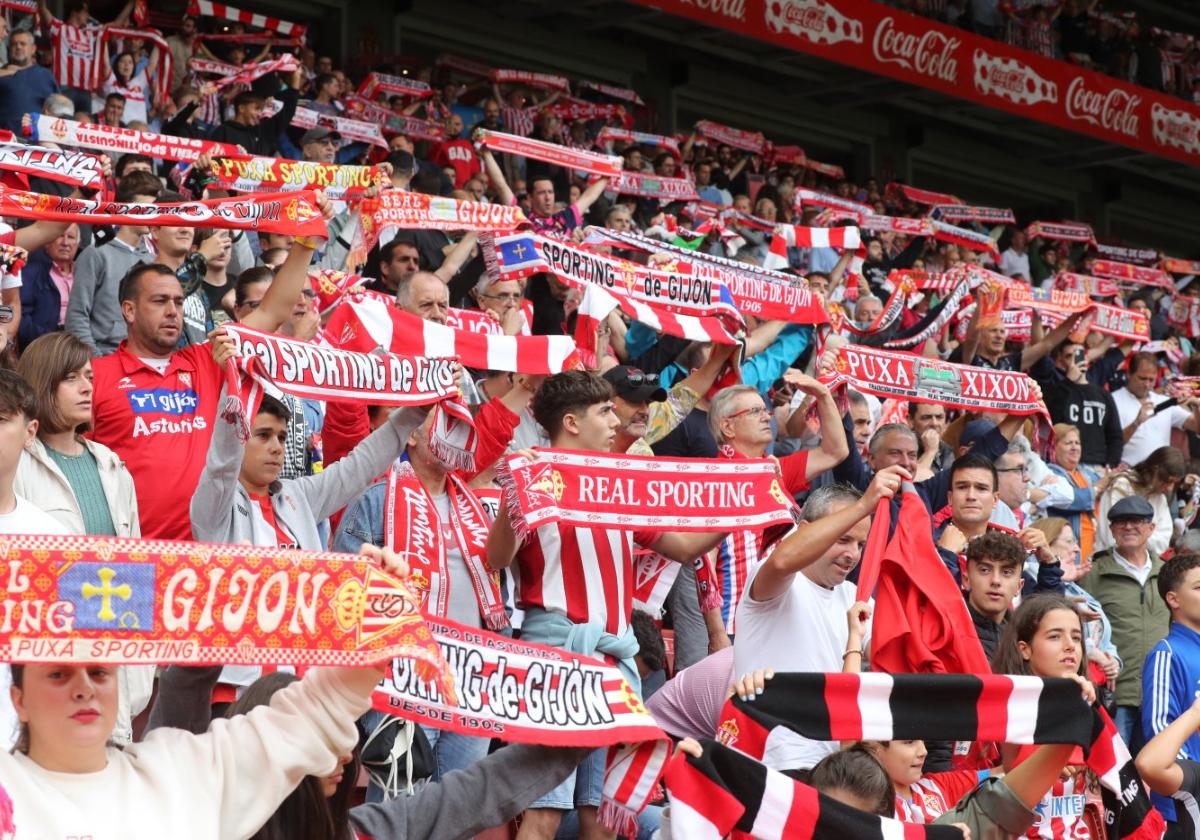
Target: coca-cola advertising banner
[(880, 39)]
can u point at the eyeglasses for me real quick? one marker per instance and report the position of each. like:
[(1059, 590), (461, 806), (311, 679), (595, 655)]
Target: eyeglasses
[(1021, 470), (6, 314), (507, 297), (757, 411)]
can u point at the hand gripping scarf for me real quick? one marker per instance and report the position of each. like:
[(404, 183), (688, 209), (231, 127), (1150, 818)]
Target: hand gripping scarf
[(12, 258), (285, 63), (417, 536), (104, 599), (295, 214), (904, 376), (225, 12), (74, 168), (956, 707), (364, 322), (635, 492), (1062, 231), (266, 174), (120, 141), (593, 163)]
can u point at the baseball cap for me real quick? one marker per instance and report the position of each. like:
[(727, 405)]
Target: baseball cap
[(633, 385), (319, 133), (975, 430), (1130, 507)]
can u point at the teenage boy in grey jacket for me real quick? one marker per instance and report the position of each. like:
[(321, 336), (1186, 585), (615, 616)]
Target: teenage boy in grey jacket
[(240, 499)]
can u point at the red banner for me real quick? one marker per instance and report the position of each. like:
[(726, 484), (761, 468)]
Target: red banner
[(1128, 273), (101, 599), (653, 186), (917, 50), (265, 174)]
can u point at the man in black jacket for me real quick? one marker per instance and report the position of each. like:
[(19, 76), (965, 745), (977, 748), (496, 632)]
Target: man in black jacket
[(249, 130), (1071, 398), (991, 579)]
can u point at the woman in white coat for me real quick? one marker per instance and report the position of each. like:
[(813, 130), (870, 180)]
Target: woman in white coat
[(81, 483)]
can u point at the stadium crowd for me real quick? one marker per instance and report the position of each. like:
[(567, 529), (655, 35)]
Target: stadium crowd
[(978, 436)]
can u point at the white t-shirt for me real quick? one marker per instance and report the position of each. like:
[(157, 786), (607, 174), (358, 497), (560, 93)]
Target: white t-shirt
[(1154, 433), (462, 605), (1012, 263), (804, 629), (26, 518), (136, 94)]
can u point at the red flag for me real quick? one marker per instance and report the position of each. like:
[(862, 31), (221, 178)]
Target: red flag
[(921, 623)]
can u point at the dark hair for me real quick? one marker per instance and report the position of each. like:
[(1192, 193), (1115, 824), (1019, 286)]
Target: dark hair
[(306, 812), (323, 79), (114, 96), (1023, 626), (998, 547), (132, 157), (257, 274), (401, 161), (131, 283), (137, 183), (1163, 463), (16, 397), (45, 363), (386, 252), (569, 392), (653, 649), (974, 461), (274, 408), (246, 97), (1175, 570), (117, 59), (1142, 359), (858, 772), (169, 197)]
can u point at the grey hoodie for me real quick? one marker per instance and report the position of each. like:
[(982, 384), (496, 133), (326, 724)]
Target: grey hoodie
[(93, 311)]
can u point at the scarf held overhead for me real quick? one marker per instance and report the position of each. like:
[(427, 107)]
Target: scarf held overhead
[(1009, 709), (632, 492), (593, 163), (365, 322), (102, 599), (120, 141), (226, 12), (266, 174), (904, 376), (295, 214), (75, 168)]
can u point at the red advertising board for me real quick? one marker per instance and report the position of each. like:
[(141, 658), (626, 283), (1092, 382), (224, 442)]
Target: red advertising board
[(917, 50)]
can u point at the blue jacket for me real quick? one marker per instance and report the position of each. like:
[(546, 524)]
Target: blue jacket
[(1170, 684), (40, 301), (763, 369), (1085, 497)]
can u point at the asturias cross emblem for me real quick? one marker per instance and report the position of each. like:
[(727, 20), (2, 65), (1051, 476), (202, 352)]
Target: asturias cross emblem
[(106, 591)]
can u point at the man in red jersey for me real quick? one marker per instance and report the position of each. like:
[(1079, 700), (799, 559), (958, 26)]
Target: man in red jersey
[(154, 405)]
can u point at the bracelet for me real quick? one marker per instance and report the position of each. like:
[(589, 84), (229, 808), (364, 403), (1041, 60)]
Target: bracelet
[(852, 652)]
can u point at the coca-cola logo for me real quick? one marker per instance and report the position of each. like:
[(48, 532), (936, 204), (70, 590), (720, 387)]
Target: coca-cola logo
[(813, 20), (1114, 110), (733, 9), (929, 53)]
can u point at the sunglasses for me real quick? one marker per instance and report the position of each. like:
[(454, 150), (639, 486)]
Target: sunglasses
[(638, 378)]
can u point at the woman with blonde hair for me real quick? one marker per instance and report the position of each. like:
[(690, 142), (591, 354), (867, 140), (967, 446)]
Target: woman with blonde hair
[(1068, 450)]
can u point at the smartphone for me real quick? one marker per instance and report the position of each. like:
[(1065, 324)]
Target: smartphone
[(1080, 356)]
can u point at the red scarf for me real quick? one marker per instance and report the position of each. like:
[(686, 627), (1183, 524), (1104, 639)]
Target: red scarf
[(543, 81), (592, 163), (422, 544), (394, 85), (1133, 274), (965, 213), (653, 186), (1062, 231), (119, 141), (221, 10), (245, 173), (747, 141), (75, 168)]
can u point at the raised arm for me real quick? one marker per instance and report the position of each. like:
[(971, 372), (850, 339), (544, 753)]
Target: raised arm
[(497, 177), (457, 257), (805, 545), (1157, 764), (1036, 351), (834, 447), (280, 300), (588, 197), (123, 18)]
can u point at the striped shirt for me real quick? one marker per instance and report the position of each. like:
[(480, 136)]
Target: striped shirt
[(934, 794), (75, 50), (585, 574)]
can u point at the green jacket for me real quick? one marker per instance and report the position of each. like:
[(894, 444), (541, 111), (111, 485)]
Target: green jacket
[(1139, 617)]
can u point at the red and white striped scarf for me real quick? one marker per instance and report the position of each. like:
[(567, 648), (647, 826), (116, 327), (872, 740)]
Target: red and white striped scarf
[(592, 163), (161, 75), (813, 198), (416, 535), (543, 81), (415, 127), (610, 134), (119, 141), (245, 173), (842, 238), (249, 72), (966, 213), (829, 170), (221, 10), (653, 186), (366, 321), (12, 258), (963, 237), (747, 141), (75, 168), (359, 131)]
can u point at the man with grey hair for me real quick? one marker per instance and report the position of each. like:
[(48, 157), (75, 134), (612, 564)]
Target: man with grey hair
[(740, 423), (868, 308), (793, 615), (24, 84)]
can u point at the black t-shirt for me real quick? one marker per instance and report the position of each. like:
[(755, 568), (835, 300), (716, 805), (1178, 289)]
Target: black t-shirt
[(690, 439), (1187, 804), (548, 312)]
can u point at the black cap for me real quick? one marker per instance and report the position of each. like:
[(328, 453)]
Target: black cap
[(319, 133), (1131, 507), (633, 385)]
